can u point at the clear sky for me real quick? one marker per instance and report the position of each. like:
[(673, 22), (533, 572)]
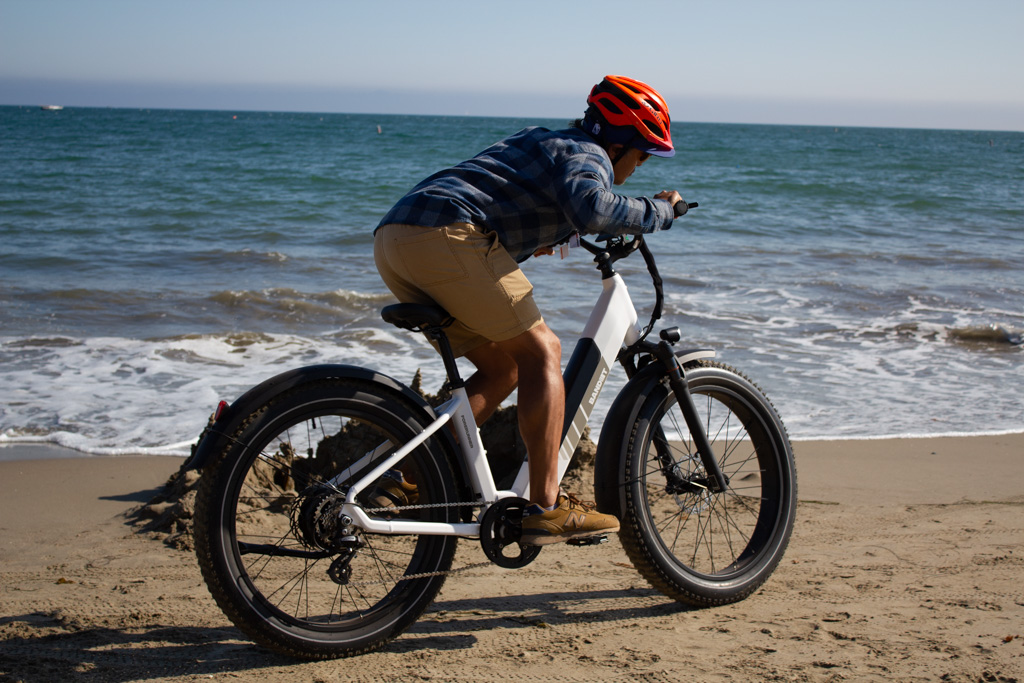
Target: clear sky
[(905, 63)]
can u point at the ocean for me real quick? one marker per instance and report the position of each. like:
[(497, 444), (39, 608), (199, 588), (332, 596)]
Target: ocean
[(153, 262)]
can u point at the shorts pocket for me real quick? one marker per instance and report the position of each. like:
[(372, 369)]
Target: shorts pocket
[(429, 259), (499, 261)]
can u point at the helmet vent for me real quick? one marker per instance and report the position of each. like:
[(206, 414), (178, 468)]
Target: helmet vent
[(611, 105)]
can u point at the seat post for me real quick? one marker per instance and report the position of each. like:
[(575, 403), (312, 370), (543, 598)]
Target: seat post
[(444, 347), (431, 321)]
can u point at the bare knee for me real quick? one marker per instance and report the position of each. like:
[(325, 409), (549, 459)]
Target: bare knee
[(538, 347), (495, 366)]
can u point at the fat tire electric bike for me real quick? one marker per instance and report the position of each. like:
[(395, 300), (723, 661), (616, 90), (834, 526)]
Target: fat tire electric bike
[(299, 553)]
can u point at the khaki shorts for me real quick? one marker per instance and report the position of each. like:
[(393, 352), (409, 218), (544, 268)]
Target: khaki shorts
[(466, 271)]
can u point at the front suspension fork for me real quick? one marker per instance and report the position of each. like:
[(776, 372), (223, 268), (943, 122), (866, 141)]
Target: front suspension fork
[(716, 479)]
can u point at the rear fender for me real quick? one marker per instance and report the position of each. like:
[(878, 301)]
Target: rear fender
[(217, 434)]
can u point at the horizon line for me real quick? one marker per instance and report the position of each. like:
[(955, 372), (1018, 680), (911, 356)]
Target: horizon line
[(539, 117)]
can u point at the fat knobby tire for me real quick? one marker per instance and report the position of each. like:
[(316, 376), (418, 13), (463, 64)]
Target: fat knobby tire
[(240, 580), (664, 534)]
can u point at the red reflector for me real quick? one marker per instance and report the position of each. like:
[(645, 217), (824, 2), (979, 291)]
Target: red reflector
[(221, 407)]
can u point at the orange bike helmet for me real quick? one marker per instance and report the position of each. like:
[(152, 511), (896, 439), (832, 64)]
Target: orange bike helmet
[(627, 103)]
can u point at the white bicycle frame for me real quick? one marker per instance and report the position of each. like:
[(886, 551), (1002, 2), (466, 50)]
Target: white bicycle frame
[(612, 324)]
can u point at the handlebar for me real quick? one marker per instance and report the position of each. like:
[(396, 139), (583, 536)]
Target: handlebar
[(616, 248)]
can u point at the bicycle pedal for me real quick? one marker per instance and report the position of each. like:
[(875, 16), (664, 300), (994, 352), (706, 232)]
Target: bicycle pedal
[(590, 540)]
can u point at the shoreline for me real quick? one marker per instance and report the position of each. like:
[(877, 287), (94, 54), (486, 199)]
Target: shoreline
[(29, 450), (33, 450)]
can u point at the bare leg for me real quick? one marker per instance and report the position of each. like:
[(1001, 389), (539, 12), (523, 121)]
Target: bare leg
[(495, 378), (534, 360)]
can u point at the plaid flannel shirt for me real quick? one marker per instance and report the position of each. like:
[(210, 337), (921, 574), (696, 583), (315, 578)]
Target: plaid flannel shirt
[(534, 189)]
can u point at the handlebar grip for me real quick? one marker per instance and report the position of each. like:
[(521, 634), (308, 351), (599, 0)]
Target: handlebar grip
[(681, 207)]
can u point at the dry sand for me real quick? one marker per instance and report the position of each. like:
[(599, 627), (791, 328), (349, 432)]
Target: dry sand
[(906, 564)]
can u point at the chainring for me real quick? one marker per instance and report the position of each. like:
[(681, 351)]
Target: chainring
[(501, 529)]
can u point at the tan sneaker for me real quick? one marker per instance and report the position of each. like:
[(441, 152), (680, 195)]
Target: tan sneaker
[(394, 491), (570, 519)]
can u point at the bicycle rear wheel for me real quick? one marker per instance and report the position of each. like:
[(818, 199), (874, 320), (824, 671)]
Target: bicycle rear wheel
[(270, 541), (699, 547)]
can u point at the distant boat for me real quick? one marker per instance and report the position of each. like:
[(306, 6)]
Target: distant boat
[(51, 107)]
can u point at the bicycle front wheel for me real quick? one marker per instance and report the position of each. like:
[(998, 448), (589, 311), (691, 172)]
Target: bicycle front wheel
[(699, 547), (272, 545)]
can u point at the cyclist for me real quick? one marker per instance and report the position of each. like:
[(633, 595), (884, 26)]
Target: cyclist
[(456, 239)]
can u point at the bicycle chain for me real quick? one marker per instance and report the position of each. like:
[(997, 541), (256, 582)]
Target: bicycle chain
[(402, 508), (423, 575)]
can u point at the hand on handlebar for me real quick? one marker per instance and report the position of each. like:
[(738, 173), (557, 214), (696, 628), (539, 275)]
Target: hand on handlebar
[(679, 205)]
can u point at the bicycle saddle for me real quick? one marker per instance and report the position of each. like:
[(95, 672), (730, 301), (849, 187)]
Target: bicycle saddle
[(416, 316)]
